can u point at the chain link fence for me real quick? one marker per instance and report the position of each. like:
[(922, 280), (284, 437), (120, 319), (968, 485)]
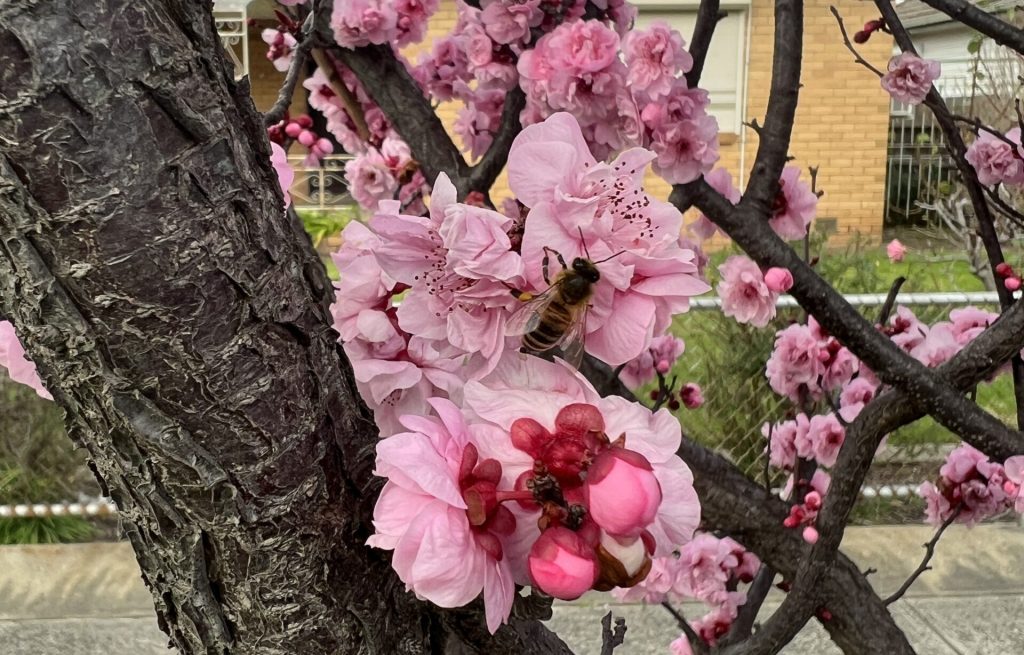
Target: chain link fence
[(47, 492)]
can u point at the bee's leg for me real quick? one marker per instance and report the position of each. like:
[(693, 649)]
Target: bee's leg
[(544, 263)]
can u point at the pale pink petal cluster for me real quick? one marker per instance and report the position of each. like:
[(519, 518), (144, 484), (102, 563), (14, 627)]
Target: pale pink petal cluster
[(807, 361), (438, 514), (510, 21), (359, 23), (285, 173), (19, 368), (580, 207), (997, 159), (909, 78), (1013, 468), (681, 133), (795, 206), (655, 57), (660, 357), (970, 485), (282, 47), (744, 292)]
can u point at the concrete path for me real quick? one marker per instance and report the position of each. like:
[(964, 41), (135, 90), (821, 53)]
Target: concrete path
[(88, 599)]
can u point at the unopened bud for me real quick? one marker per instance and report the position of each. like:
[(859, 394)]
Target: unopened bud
[(1012, 283), (811, 534)]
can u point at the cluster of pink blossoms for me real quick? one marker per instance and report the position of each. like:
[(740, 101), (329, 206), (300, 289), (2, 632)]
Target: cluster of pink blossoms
[(658, 358), (455, 267), (533, 479), (748, 294), (997, 159), (706, 569), (807, 362), (362, 22), (973, 488), (640, 99)]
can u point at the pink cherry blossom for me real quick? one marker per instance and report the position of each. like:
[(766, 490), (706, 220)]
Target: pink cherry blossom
[(582, 208), (659, 357), (995, 160), (783, 438), (19, 368), (682, 134), (621, 492), (895, 251), (970, 484), (654, 57), (720, 180), (562, 564), (531, 395), (362, 22), (370, 178), (824, 437), (691, 395), (910, 78), (282, 47), (509, 21), (285, 173), (795, 206), (969, 322), (855, 395), (744, 293), (443, 550), (779, 280), (681, 646), (1014, 469)]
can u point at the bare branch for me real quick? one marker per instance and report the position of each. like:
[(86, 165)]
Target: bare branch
[(849, 44), (612, 639), (890, 300), (929, 549), (743, 626), (708, 15), (284, 96), (998, 30), (696, 643), (482, 175), (348, 99)]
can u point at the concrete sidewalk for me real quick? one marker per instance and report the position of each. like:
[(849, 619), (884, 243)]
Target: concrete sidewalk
[(88, 599)]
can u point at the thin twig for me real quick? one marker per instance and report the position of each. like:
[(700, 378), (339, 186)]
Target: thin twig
[(611, 639), (348, 99), (708, 15), (890, 300), (287, 91), (696, 643), (929, 552), (849, 44)]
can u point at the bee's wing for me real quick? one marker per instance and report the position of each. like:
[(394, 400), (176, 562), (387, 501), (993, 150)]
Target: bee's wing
[(526, 318), (573, 342)]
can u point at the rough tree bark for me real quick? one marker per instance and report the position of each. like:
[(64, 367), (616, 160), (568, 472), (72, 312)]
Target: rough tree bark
[(181, 320)]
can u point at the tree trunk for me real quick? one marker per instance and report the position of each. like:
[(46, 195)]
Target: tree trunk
[(182, 322)]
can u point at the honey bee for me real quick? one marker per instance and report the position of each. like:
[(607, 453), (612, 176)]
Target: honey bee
[(557, 317)]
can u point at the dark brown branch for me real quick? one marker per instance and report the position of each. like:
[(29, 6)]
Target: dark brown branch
[(696, 643), (857, 58), (612, 639), (967, 13), (284, 96), (983, 215), (483, 174), (929, 549), (708, 15), (890, 300), (743, 626), (774, 137)]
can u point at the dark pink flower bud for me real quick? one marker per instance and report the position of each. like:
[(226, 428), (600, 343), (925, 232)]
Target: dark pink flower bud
[(562, 564), (1012, 283), (324, 146), (293, 129), (529, 436), (691, 395), (1004, 270), (663, 366), (566, 458), (778, 279), (621, 491), (304, 121), (813, 500), (307, 138), (810, 535)]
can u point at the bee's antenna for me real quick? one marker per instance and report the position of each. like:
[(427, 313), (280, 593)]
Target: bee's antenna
[(584, 241), (611, 257)]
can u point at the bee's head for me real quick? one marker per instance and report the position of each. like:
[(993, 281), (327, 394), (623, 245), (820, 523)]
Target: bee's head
[(586, 269)]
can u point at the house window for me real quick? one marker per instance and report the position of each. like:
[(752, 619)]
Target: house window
[(724, 74)]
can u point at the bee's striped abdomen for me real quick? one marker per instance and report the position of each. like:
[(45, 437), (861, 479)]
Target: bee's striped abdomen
[(552, 326)]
